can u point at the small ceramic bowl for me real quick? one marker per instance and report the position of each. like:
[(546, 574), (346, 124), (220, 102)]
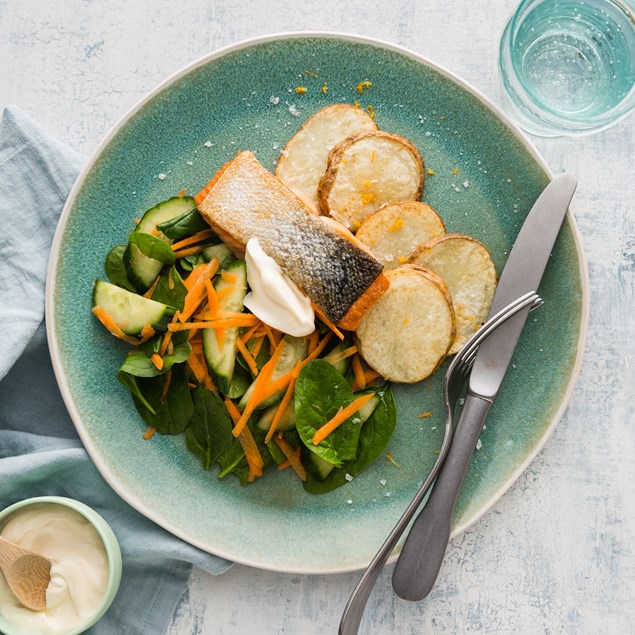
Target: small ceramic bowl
[(111, 545)]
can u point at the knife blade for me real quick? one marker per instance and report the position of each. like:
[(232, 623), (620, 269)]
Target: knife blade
[(420, 560)]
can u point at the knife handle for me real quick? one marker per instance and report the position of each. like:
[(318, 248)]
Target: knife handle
[(418, 565)]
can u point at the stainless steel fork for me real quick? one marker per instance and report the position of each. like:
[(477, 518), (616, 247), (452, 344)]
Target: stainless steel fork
[(455, 377)]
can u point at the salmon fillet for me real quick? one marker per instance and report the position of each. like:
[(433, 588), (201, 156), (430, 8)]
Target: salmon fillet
[(246, 201)]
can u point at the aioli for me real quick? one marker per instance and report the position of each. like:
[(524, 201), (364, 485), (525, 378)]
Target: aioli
[(274, 297), (79, 569)]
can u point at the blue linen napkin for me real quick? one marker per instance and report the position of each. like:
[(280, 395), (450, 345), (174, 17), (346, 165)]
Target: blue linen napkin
[(40, 452)]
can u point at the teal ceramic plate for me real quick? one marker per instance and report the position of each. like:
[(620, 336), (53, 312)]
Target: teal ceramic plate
[(243, 97)]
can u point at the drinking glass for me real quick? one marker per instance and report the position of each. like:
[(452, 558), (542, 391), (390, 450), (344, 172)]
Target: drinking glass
[(567, 67)]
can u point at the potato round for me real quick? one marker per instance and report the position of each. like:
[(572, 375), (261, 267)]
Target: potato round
[(467, 269), (396, 231), (367, 171), (303, 160), (408, 332)]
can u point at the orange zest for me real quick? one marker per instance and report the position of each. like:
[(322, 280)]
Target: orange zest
[(108, 321), (340, 418), (259, 389), (192, 240), (292, 456)]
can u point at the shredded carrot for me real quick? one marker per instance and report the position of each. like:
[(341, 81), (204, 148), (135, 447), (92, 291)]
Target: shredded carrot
[(107, 320), (314, 340), (170, 279), (252, 454), (424, 415), (371, 375), (258, 345), (229, 277), (201, 372), (149, 433), (282, 408), (247, 356), (190, 251), (244, 319), (259, 388), (284, 465), (269, 334), (212, 299), (196, 294), (166, 385), (182, 193), (168, 336), (150, 291), (234, 413), (192, 240), (157, 360), (191, 386), (247, 335), (358, 372), (146, 333), (206, 270), (293, 457), (283, 382), (338, 357), (223, 294), (340, 418), (326, 321)]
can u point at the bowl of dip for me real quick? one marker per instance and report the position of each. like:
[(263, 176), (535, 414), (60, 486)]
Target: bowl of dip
[(85, 565)]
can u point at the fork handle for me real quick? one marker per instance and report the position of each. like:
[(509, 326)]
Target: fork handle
[(418, 565)]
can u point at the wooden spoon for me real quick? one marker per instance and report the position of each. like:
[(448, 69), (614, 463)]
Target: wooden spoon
[(27, 573)]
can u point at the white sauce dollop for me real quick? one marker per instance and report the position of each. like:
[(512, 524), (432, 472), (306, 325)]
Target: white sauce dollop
[(79, 570), (274, 297)]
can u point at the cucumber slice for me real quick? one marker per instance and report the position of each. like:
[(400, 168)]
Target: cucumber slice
[(294, 351), (318, 467), (369, 407), (142, 271), (221, 360), (342, 365), (287, 422), (217, 251), (131, 312)]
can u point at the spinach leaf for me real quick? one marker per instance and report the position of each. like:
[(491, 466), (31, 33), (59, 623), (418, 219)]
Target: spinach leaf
[(320, 392), (174, 296), (116, 268), (173, 413), (128, 380), (234, 462), (373, 439), (210, 431), (241, 380), (152, 247), (186, 224), (139, 364)]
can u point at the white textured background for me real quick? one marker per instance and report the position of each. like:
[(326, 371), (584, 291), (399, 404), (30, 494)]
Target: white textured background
[(557, 554)]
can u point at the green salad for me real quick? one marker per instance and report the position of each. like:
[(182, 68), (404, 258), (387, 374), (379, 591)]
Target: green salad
[(248, 398)]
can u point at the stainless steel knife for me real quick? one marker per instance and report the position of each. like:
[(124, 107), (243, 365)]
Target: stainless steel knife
[(421, 557)]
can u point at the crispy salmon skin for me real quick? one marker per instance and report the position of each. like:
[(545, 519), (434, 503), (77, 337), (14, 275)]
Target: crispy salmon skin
[(246, 201)]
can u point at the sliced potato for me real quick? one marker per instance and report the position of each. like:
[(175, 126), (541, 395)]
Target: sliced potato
[(408, 332), (467, 269), (367, 171), (303, 160), (395, 231)]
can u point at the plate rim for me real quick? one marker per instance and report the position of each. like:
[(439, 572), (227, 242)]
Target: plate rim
[(54, 351)]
